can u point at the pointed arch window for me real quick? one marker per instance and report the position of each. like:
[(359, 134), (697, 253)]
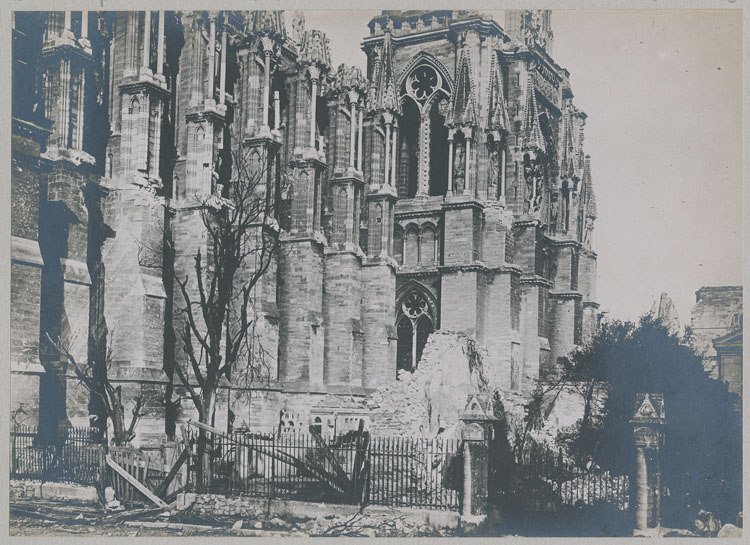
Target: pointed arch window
[(428, 246), (411, 246), (414, 325), (398, 245), (424, 92)]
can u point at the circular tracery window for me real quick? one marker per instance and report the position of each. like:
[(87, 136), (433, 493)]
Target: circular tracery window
[(423, 82), (415, 305)]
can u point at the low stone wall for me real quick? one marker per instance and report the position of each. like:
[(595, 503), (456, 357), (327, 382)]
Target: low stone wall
[(250, 508), (25, 489), (20, 489)]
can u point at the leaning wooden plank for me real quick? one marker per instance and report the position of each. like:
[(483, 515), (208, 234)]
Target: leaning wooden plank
[(330, 457), (336, 482), (184, 455), (363, 440), (314, 471), (206, 427), (137, 485)]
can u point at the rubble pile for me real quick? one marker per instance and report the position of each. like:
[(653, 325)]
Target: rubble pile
[(243, 513), (429, 401)]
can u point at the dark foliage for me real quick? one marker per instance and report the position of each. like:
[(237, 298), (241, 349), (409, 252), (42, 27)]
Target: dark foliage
[(702, 457)]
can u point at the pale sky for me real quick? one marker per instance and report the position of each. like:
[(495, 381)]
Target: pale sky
[(663, 92)]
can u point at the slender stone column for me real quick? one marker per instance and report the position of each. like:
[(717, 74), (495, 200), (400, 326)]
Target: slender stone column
[(81, 111), (223, 67), (450, 165), (359, 139), (68, 23), (423, 174), (84, 24), (313, 107), (502, 172), (211, 56), (276, 110), (641, 509), (352, 132), (146, 39), (160, 45), (267, 85), (394, 154), (466, 503), (467, 173), (387, 153)]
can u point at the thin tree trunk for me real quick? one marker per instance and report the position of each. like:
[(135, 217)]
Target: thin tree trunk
[(204, 458)]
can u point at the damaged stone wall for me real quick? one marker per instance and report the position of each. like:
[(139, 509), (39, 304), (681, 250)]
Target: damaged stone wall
[(430, 400)]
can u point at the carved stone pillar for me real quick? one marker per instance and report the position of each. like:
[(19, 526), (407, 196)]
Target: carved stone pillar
[(160, 45), (648, 422), (146, 40), (394, 154), (476, 432), (313, 106), (450, 163), (352, 131), (359, 138), (388, 121), (223, 67), (211, 56)]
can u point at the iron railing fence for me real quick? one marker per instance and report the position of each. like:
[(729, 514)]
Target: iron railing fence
[(543, 481), (395, 471), (73, 455)]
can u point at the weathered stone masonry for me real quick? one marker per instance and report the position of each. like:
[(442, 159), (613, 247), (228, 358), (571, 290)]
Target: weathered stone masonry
[(445, 188)]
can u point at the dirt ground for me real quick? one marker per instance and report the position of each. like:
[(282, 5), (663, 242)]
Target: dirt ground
[(56, 518)]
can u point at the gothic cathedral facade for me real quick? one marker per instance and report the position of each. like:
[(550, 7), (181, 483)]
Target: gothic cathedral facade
[(446, 187)]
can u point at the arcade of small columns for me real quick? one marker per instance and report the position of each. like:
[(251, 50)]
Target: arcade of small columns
[(457, 136)]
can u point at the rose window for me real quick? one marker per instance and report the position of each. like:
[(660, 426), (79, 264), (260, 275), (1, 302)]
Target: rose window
[(414, 305), (422, 83)]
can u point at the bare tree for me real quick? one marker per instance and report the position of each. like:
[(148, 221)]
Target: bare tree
[(93, 375), (217, 333)]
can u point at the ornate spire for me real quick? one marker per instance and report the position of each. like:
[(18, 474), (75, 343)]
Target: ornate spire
[(588, 187), (267, 23), (463, 105), (567, 151), (298, 27), (314, 49), (532, 133), (349, 78), (498, 117), (384, 96)]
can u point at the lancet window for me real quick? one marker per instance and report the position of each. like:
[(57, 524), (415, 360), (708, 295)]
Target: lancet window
[(423, 152), (414, 325)]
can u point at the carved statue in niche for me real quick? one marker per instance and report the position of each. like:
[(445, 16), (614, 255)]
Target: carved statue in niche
[(553, 212), (587, 229), (531, 26), (459, 164), (533, 172), (494, 168)]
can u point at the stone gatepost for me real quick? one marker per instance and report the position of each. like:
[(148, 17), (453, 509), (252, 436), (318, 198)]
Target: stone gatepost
[(648, 423), (476, 432)]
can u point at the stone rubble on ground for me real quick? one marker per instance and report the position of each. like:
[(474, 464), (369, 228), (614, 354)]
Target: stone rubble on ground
[(706, 524), (729, 530)]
